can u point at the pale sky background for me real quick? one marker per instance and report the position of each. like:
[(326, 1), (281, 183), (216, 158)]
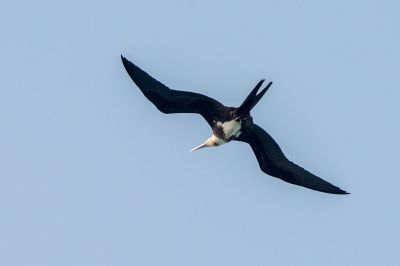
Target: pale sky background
[(92, 174)]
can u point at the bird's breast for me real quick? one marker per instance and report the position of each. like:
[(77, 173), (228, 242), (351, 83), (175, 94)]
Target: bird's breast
[(228, 130)]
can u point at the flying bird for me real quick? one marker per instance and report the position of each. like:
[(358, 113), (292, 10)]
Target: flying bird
[(227, 124)]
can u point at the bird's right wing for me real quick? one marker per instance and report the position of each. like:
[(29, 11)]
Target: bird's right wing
[(273, 162), (172, 101)]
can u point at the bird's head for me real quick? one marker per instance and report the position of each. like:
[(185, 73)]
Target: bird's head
[(210, 142)]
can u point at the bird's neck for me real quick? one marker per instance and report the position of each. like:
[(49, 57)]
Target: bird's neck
[(217, 140)]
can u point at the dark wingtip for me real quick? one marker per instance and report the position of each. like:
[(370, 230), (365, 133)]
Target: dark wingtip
[(340, 192), (125, 62)]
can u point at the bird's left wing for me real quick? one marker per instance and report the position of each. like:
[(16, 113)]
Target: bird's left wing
[(273, 162), (172, 101)]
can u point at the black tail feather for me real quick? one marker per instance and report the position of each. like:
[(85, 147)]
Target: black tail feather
[(252, 94), (253, 98)]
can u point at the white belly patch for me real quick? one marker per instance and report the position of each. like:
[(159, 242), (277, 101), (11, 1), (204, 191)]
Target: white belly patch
[(231, 128)]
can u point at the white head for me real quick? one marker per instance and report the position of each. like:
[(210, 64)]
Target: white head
[(212, 141)]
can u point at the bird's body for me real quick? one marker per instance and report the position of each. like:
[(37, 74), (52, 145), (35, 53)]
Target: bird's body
[(227, 124), (223, 132), (228, 129)]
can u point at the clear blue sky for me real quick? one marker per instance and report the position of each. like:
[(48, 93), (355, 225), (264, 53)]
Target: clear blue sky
[(92, 174)]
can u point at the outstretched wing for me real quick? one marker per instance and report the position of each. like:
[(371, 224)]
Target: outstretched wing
[(172, 101), (273, 162)]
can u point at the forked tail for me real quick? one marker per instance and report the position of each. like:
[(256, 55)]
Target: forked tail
[(252, 99)]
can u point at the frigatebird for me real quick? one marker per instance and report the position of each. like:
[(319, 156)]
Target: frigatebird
[(229, 123)]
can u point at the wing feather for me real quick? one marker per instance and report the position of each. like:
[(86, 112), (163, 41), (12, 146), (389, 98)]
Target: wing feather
[(273, 162), (172, 101)]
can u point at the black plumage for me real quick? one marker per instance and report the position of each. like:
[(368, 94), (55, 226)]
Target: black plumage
[(230, 123), (172, 101), (273, 162)]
